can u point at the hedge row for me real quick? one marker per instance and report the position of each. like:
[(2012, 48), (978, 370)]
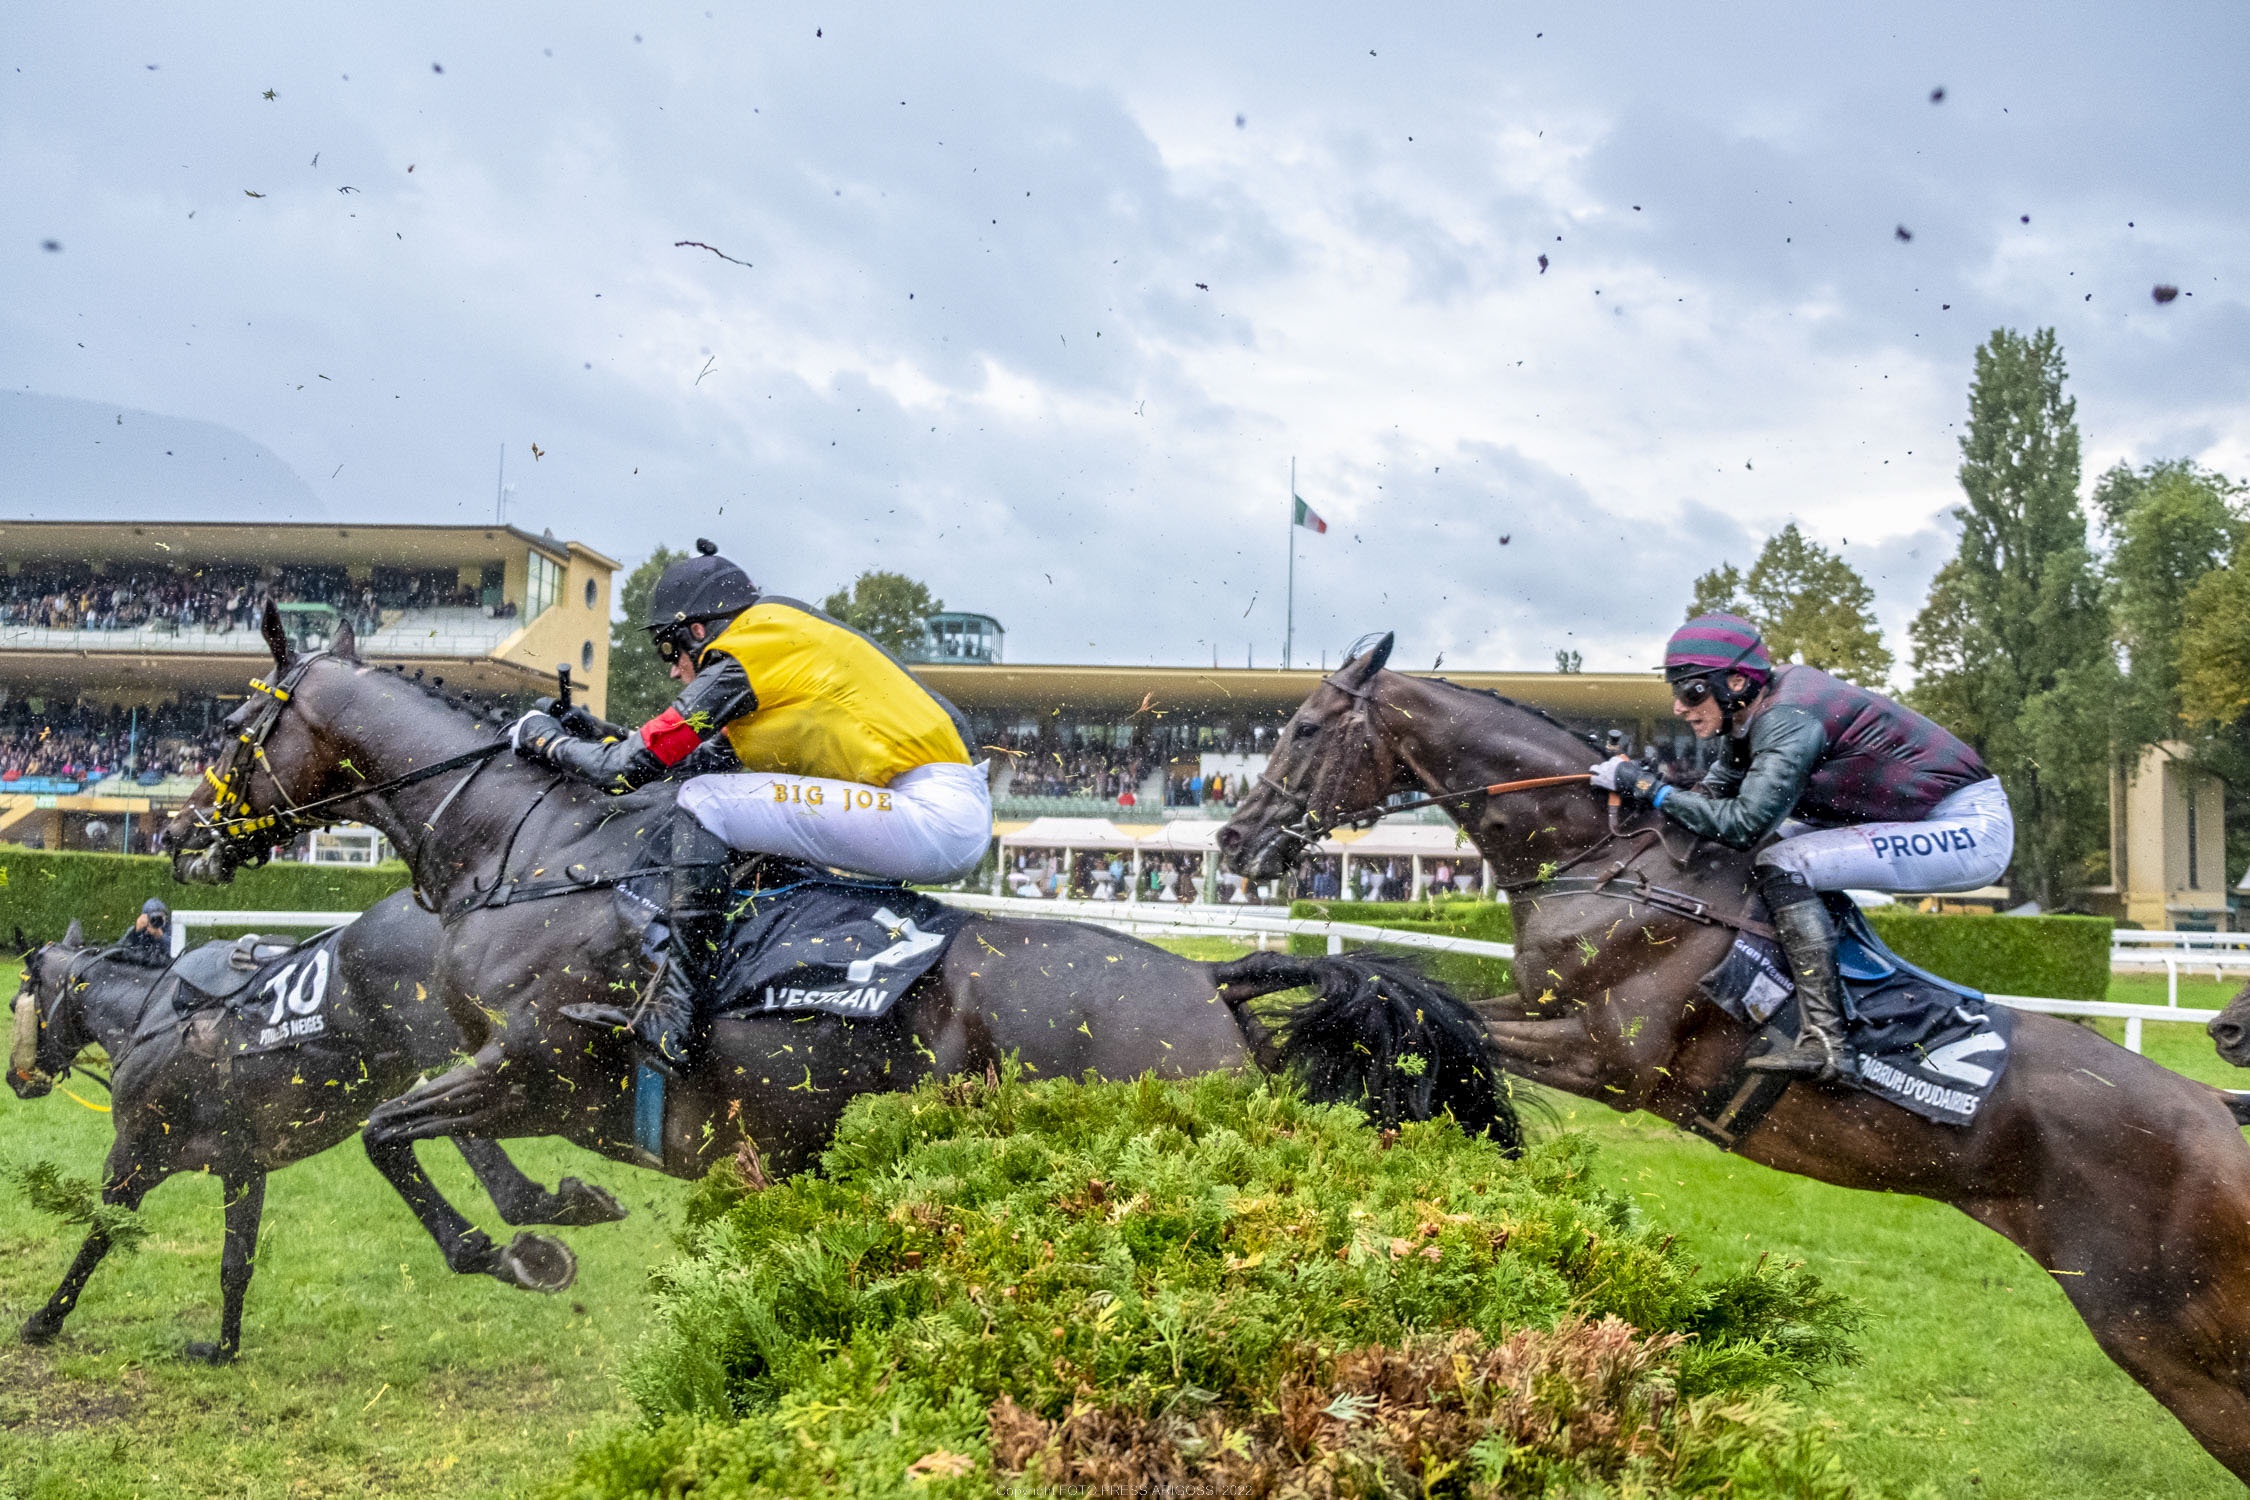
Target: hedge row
[(41, 890), (1002, 1289), (2061, 958)]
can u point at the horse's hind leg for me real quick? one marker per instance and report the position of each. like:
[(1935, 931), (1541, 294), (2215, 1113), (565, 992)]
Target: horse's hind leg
[(238, 1262), (125, 1190), (523, 1201), (533, 1262)]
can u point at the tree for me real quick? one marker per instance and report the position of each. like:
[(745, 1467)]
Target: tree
[(1569, 661), (1809, 605), (890, 608), (2014, 649), (2170, 525), (639, 686)]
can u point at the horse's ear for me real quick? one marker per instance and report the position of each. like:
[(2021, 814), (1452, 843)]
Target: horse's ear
[(277, 638), (74, 936), (1364, 668), (346, 643)]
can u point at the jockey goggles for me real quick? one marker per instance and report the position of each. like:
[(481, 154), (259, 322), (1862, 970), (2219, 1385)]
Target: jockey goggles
[(670, 642)]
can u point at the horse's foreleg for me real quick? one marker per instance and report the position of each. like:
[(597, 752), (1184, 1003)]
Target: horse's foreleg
[(125, 1188), (532, 1262), (246, 1207), (470, 1100), (523, 1201), (1558, 1054)]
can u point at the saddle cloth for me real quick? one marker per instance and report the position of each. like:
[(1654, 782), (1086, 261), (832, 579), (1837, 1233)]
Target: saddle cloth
[(278, 991), (1930, 1046), (848, 948)]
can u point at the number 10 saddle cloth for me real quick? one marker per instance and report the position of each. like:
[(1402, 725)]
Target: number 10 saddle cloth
[(277, 993)]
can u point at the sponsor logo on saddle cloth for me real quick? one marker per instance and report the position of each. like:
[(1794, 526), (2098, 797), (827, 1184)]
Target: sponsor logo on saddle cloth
[(844, 948), (1931, 1050)]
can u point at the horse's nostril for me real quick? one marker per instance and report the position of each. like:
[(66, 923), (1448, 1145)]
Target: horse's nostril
[(1229, 837), (2226, 1033)]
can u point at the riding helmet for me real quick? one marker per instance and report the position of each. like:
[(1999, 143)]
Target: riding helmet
[(1717, 643), (703, 587)]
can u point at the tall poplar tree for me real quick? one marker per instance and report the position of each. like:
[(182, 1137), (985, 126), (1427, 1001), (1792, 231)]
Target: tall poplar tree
[(2013, 647)]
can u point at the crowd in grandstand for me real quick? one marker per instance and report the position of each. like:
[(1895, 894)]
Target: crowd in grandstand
[(74, 597), (1079, 767), (46, 754)]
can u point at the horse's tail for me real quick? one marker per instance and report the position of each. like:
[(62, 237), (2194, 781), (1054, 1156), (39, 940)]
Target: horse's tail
[(1378, 1033)]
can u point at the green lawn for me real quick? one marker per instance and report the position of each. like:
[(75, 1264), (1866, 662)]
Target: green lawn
[(368, 1370)]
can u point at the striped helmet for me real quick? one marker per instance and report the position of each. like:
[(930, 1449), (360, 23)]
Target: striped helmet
[(1717, 643)]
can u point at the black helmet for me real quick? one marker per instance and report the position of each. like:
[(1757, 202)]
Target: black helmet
[(703, 587)]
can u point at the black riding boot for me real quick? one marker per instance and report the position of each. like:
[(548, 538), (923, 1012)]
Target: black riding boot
[(669, 1025), (1808, 938)]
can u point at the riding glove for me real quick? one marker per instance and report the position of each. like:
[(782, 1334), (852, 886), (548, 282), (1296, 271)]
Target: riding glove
[(1630, 779)]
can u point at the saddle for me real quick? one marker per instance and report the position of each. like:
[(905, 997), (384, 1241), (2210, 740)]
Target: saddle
[(216, 972), (1932, 1047)]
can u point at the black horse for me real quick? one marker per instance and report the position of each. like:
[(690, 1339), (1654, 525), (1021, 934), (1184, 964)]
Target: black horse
[(519, 863), (186, 1098)]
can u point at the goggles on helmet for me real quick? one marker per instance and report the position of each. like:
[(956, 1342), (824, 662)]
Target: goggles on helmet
[(1694, 692), (670, 642)]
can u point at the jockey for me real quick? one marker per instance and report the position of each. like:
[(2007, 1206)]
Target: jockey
[(819, 746), (1859, 791)]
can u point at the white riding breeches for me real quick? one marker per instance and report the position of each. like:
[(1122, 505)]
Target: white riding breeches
[(930, 824), (1964, 843)]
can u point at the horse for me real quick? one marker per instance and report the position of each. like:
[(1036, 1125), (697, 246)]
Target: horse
[(2229, 1031), (186, 1099), (521, 865), (2129, 1183)]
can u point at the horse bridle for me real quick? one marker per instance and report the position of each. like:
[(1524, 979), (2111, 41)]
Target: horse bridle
[(1307, 830), (249, 837)]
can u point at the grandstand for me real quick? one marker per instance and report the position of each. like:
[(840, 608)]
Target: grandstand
[(122, 644), (1148, 744)]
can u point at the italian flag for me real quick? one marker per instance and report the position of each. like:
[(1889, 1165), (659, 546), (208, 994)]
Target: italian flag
[(1304, 515)]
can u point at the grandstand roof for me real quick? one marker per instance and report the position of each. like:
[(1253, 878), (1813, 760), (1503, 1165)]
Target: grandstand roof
[(177, 542), (1124, 690)]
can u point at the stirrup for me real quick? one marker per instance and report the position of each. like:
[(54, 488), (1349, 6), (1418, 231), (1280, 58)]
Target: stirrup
[(1810, 1056)]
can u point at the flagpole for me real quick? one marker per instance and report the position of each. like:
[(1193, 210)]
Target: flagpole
[(1289, 627)]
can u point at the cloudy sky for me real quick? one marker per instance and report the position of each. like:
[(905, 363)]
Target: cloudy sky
[(1038, 303)]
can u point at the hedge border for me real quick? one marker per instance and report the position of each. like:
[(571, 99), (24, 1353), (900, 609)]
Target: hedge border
[(42, 890)]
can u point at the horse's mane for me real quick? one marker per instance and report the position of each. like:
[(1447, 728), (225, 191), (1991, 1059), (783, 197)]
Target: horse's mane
[(1503, 700)]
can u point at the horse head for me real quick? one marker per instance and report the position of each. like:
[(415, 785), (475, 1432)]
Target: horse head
[(287, 745), (49, 1029), (1329, 763), (2230, 1030)]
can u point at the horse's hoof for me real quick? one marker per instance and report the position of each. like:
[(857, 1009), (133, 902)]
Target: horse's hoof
[(208, 1354), (537, 1263), (40, 1329), (586, 1203)]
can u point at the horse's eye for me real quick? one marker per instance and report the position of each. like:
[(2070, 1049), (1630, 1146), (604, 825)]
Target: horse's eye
[(1307, 731)]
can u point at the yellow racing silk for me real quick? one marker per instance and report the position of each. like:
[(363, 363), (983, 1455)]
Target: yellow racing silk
[(830, 701)]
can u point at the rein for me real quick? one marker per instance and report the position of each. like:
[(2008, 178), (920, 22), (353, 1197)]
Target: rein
[(250, 837), (1306, 830)]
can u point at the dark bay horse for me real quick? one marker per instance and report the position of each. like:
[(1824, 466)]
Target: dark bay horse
[(2127, 1182), (518, 861), (182, 1100)]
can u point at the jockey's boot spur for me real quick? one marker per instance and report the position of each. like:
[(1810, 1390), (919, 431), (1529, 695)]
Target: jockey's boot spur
[(1823, 1047), (669, 1026)]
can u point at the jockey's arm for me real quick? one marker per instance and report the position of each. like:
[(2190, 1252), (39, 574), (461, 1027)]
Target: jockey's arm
[(719, 694), (1786, 745)]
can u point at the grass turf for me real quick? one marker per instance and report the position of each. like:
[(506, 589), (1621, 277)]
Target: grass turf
[(369, 1370)]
